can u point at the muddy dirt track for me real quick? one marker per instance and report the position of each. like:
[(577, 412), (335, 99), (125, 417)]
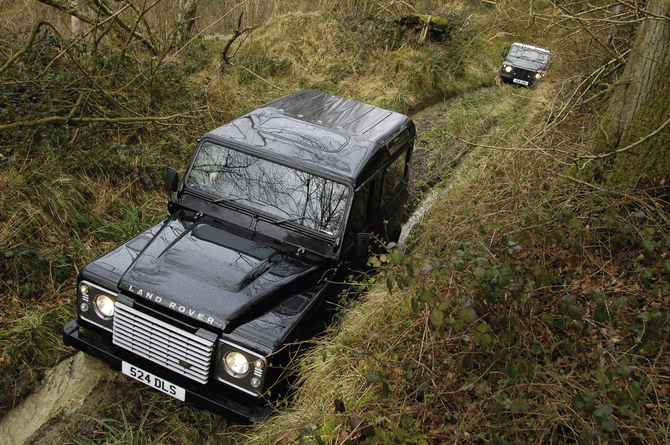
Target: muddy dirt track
[(81, 385)]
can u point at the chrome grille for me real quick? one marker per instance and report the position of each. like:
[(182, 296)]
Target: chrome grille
[(520, 73), (180, 351)]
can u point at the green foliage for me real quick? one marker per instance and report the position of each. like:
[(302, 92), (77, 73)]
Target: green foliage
[(126, 433), (511, 314)]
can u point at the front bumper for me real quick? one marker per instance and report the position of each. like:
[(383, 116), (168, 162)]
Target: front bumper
[(518, 77), (216, 398)]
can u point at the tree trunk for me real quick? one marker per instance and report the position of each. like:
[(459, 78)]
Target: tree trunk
[(642, 104), (187, 17), (104, 11)]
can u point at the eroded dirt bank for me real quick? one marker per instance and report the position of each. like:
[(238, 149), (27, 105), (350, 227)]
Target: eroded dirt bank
[(64, 389)]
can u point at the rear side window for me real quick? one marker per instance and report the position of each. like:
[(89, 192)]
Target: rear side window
[(394, 175), (359, 213), (399, 141)]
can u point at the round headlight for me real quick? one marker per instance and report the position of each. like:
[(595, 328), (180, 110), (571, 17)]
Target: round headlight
[(104, 306), (236, 364), (508, 68), (538, 75)]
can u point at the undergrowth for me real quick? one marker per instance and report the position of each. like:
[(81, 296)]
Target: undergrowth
[(530, 305)]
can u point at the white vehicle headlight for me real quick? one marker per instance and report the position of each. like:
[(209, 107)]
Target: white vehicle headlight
[(236, 364), (241, 368), (508, 68), (538, 75), (104, 305)]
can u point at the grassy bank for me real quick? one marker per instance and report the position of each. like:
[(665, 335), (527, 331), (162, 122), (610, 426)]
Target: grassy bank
[(528, 306)]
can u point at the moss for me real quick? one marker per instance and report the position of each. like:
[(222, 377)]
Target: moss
[(438, 23), (651, 159)]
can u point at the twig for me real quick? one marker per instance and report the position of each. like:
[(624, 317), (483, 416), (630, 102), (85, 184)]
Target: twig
[(579, 181), (264, 80), (493, 147), (108, 120), (28, 44), (629, 147)]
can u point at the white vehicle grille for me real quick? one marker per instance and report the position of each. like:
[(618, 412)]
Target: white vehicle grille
[(180, 351)]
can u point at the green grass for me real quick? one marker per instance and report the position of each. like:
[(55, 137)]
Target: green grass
[(33, 342)]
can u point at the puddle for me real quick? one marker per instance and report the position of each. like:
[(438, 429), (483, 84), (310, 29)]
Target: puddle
[(64, 388)]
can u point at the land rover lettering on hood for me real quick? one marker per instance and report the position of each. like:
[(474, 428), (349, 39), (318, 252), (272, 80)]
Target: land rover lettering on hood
[(273, 210)]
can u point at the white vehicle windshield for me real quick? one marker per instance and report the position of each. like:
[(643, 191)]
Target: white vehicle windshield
[(531, 55), (274, 189)]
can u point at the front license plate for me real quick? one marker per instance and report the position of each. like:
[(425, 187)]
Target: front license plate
[(153, 381), (522, 82)]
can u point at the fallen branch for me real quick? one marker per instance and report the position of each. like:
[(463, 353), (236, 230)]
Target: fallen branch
[(106, 120), (27, 46)]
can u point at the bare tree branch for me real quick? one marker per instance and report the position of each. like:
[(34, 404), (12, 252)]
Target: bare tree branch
[(586, 27), (238, 32), (28, 44), (628, 147), (123, 31), (107, 120)]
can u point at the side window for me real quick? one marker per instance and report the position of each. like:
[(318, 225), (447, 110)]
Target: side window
[(398, 141), (394, 174), (358, 215)]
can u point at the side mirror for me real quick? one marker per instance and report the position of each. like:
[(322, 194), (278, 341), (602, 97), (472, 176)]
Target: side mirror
[(504, 54), (362, 244), (171, 179)]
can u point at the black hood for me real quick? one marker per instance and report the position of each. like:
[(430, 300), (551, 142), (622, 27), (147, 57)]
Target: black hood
[(530, 65), (204, 272)]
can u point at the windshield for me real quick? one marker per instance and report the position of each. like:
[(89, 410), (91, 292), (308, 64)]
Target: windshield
[(531, 55), (280, 191)]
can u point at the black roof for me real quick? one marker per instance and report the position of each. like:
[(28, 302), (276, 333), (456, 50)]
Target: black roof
[(317, 131)]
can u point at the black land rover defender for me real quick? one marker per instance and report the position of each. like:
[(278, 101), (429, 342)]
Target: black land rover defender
[(524, 64), (274, 208)]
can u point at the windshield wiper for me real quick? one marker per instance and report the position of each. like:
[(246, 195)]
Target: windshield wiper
[(285, 220), (220, 200)]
